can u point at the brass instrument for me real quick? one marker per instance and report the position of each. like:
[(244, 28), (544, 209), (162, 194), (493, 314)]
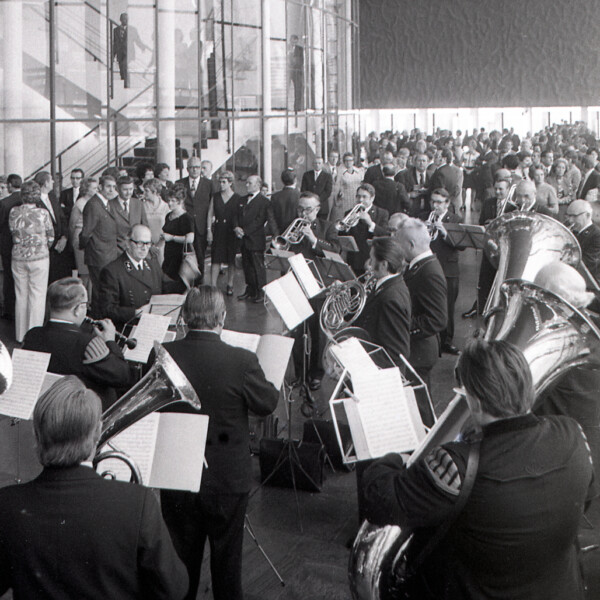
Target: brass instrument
[(555, 337), (351, 219), (292, 235), (131, 343), (6, 369), (164, 384), (509, 200)]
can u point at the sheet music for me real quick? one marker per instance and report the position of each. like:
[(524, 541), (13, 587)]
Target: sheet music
[(361, 448), (29, 370), (334, 256), (305, 276), (249, 341), (384, 414), (139, 442), (353, 357), (274, 355), (167, 304), (289, 300), (151, 328)]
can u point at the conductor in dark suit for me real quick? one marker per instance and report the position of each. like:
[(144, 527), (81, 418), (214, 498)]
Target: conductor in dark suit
[(372, 221), (70, 533), (230, 383), (319, 182), (427, 286), (127, 209), (197, 202), (285, 202), (579, 217), (130, 280), (254, 213), (447, 253), (390, 194), (92, 355)]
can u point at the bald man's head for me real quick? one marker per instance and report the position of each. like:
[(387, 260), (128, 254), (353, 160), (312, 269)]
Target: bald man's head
[(140, 240), (525, 195), (413, 237), (579, 215), (566, 282)]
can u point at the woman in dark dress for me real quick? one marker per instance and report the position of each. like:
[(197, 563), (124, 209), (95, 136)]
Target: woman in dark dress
[(225, 244), (178, 231)]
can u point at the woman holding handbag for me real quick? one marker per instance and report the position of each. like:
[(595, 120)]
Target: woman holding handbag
[(178, 233)]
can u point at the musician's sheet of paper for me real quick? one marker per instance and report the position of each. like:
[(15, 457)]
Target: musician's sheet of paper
[(29, 370), (381, 420), (150, 329), (167, 304), (304, 275), (334, 256), (289, 300), (273, 351), (353, 357)]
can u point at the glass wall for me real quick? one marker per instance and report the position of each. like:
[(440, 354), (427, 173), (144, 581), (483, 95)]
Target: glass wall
[(252, 85)]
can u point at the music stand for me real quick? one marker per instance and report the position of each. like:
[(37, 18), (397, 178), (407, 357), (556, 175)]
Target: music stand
[(464, 235)]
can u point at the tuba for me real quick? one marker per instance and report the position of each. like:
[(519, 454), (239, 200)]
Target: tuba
[(164, 384), (292, 235), (555, 337)]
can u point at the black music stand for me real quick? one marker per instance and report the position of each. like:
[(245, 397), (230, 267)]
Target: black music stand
[(464, 235)]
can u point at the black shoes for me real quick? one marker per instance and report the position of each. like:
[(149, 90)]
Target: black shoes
[(259, 299), (450, 349)]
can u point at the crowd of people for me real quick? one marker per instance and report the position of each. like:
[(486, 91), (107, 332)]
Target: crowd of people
[(104, 246)]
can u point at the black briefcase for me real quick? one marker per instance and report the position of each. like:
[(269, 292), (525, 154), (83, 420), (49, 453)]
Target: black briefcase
[(276, 458), (320, 431)]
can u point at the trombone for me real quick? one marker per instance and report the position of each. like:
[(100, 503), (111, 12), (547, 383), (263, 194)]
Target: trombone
[(351, 219), (294, 234)]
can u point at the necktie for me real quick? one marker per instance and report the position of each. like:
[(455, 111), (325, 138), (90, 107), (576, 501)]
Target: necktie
[(126, 208), (193, 187), (420, 180)]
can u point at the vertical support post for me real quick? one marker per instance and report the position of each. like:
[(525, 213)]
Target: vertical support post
[(52, 75), (266, 92), (166, 81)]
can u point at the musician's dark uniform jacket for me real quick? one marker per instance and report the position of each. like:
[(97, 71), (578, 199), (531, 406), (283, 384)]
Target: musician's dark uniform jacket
[(229, 382), (126, 288), (361, 234), (515, 538), (99, 364)]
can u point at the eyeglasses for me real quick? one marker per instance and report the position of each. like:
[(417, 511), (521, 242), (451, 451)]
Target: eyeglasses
[(141, 244), (306, 209)]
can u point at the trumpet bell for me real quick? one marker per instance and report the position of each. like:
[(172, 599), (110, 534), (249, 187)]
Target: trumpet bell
[(280, 243)]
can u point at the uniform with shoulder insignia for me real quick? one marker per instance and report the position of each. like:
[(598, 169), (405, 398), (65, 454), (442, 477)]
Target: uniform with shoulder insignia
[(99, 364)]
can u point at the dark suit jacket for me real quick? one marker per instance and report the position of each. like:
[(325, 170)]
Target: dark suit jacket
[(252, 218), (410, 181), (444, 249), (197, 207), (427, 286), (391, 196), (360, 232), (71, 534), (77, 352), (229, 382), (327, 239), (372, 174), (322, 187), (6, 205), (67, 201), (589, 240), (125, 289), (136, 215), (98, 236), (449, 177), (285, 207), (386, 317), (592, 182)]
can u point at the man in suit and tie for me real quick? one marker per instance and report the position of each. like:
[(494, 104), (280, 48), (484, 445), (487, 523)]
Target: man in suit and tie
[(375, 172), (125, 39), (320, 182), (579, 218), (69, 196), (285, 202), (416, 183), (98, 237), (127, 209), (372, 222), (70, 533), (427, 286), (249, 226), (332, 165), (390, 194), (449, 177), (131, 280), (447, 254), (199, 194), (590, 180), (6, 243)]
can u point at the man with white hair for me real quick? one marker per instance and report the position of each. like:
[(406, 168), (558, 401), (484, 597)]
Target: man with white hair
[(579, 218)]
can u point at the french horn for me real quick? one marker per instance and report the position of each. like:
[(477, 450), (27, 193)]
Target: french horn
[(164, 384)]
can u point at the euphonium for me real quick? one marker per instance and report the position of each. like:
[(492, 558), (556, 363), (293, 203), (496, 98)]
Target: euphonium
[(164, 384), (351, 219), (292, 235), (554, 337)]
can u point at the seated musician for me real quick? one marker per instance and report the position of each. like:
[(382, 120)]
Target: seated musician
[(372, 221), (70, 533), (129, 281), (515, 537), (319, 235), (93, 356)]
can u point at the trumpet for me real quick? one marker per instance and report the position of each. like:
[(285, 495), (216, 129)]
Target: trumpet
[(292, 235), (131, 343), (351, 219)]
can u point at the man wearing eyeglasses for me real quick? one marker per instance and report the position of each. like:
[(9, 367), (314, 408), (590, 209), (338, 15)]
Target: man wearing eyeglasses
[(129, 281), (579, 218)]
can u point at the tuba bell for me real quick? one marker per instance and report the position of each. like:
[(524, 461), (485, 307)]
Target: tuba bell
[(164, 384), (554, 337)]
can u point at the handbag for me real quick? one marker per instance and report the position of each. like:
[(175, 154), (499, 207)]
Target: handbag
[(189, 271)]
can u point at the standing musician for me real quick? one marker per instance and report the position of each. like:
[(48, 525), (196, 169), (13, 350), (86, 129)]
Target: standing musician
[(70, 533), (93, 356), (128, 283), (427, 286), (230, 383), (319, 235), (372, 221), (447, 253), (513, 539)]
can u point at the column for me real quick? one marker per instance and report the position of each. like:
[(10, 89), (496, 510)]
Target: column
[(266, 92), (11, 15), (166, 81)]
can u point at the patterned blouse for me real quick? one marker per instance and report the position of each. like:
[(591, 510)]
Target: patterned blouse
[(32, 232)]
